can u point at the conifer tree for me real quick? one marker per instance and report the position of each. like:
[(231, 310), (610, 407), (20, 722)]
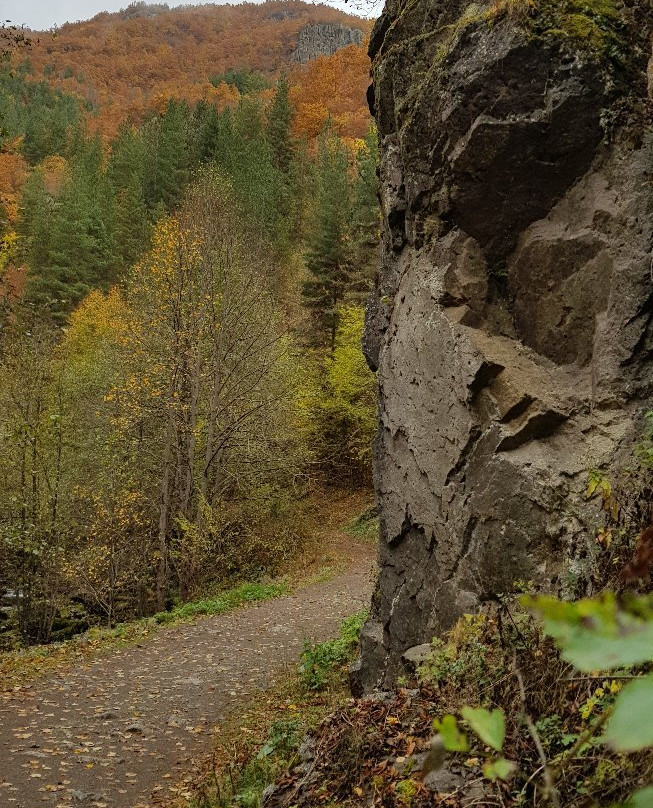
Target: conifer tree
[(327, 259), (284, 158), (206, 124), (365, 234), (35, 223), (245, 155), (169, 155), (80, 251), (279, 132), (126, 172)]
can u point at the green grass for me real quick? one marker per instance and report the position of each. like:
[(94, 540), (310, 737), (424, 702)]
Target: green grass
[(224, 602), (365, 526), (320, 661)]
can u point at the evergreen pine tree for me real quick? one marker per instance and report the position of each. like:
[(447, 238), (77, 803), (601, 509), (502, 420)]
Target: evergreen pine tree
[(279, 133), (327, 259), (35, 224), (365, 232), (244, 153), (79, 251), (206, 125), (284, 159), (126, 172), (168, 139)]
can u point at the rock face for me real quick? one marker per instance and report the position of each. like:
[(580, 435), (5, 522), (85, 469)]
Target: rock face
[(323, 39), (512, 326)]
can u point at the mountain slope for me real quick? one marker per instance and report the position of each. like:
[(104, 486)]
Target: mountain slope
[(124, 64)]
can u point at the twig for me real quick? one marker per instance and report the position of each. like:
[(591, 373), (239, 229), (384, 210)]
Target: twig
[(531, 778), (550, 791), (590, 732)]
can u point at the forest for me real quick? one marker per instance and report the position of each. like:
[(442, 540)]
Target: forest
[(179, 343), (326, 443)]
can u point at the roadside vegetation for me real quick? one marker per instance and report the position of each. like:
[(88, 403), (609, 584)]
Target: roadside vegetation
[(534, 701)]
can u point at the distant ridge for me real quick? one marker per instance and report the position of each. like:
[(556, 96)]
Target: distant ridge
[(127, 63)]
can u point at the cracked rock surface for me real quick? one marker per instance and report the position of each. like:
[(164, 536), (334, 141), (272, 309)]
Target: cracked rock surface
[(512, 325), (324, 39)]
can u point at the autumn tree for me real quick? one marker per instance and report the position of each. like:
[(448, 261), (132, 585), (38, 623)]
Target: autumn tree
[(212, 366), (340, 399), (32, 541)]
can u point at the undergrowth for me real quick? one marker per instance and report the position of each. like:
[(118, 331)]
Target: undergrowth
[(375, 751), (320, 661)]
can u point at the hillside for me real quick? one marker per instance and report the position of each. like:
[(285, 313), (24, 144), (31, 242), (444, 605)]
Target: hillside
[(122, 65)]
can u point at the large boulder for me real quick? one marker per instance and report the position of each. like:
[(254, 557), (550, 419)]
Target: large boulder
[(512, 323)]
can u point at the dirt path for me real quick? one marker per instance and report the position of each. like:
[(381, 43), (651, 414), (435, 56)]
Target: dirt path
[(122, 729)]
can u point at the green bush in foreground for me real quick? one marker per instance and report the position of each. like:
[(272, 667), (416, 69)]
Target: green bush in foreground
[(597, 637)]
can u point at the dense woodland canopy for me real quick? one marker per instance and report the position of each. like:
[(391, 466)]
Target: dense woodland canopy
[(180, 312)]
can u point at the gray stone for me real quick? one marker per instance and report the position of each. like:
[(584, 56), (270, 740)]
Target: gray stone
[(413, 657), (107, 715), (512, 321)]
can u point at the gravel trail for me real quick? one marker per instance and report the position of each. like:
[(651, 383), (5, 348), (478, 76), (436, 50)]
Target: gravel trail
[(119, 731)]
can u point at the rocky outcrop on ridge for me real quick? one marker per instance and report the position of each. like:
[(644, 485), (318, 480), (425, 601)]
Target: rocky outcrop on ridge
[(324, 39), (512, 325)]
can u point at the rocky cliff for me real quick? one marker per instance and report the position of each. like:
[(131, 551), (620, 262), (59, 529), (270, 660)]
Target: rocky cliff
[(324, 39), (512, 326)]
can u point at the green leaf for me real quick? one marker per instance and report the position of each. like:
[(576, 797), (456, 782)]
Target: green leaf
[(631, 725), (489, 726), (641, 799), (594, 634), (453, 739), (498, 769)]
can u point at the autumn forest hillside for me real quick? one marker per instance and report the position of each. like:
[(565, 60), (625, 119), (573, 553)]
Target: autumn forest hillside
[(126, 64)]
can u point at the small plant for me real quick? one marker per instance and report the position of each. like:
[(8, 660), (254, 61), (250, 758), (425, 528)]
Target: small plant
[(462, 657), (490, 727), (601, 634), (276, 754), (319, 661), (406, 791)]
